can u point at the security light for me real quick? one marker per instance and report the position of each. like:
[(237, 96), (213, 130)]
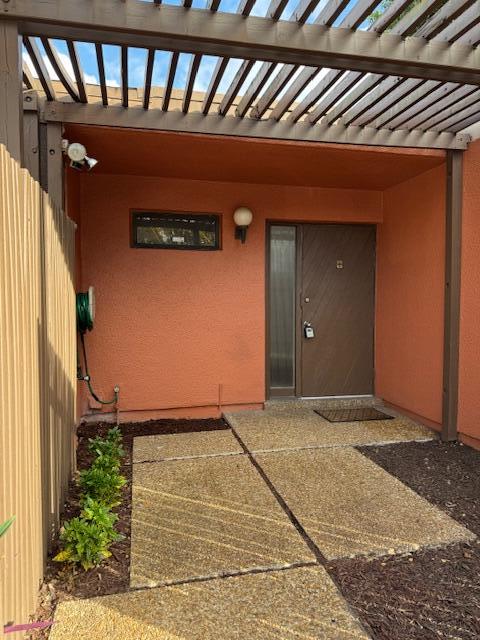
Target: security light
[(78, 156), (76, 152)]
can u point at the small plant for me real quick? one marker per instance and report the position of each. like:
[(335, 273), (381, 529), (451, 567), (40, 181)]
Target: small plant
[(86, 539), (111, 446), (102, 484)]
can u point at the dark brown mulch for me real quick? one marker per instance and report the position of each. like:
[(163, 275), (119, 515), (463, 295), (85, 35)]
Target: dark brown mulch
[(434, 593), (447, 474), (112, 576), (429, 595)]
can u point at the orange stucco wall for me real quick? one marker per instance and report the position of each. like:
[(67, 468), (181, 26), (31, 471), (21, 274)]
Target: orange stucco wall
[(410, 295), (187, 329), (469, 366)]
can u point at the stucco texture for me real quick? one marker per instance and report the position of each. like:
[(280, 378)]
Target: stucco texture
[(183, 333), (187, 329), (469, 373), (410, 296)]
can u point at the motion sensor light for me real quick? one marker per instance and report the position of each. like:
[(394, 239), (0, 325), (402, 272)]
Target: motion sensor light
[(76, 152)]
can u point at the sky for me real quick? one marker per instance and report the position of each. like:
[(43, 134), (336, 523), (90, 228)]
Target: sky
[(137, 57)]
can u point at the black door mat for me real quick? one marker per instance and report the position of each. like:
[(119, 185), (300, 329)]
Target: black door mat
[(361, 414)]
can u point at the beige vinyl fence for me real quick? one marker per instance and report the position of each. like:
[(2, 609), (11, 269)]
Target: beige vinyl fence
[(37, 381)]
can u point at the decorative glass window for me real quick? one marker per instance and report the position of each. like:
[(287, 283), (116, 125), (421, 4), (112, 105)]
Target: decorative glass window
[(179, 230)]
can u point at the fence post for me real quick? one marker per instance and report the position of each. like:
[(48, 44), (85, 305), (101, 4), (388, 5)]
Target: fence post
[(11, 107)]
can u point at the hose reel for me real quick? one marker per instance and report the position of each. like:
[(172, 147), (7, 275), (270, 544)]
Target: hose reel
[(85, 320)]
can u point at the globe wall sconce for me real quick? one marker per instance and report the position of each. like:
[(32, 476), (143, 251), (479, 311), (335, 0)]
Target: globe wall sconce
[(243, 218)]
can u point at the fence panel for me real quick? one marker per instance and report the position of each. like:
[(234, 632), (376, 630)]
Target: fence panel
[(37, 381)]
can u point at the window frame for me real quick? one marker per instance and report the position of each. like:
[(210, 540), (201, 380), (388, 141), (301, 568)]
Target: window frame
[(136, 213)]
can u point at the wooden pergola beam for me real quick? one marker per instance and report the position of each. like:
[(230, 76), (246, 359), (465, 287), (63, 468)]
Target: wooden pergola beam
[(140, 24), (139, 118)]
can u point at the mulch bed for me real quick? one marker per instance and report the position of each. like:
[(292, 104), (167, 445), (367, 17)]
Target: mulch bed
[(434, 593), (62, 582)]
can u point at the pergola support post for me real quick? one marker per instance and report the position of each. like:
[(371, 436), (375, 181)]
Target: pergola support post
[(452, 294), (11, 107), (31, 155), (51, 161)]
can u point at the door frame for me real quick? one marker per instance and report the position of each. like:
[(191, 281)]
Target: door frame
[(299, 230)]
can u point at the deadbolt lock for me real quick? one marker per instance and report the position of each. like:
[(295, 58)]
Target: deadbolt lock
[(339, 264)]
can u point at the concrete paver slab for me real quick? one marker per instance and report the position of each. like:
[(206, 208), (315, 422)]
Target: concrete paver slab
[(204, 517), (349, 506), (296, 603), (295, 426), (184, 445)]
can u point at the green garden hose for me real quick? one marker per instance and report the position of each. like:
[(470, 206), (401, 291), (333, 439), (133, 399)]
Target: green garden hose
[(84, 312), (85, 317)]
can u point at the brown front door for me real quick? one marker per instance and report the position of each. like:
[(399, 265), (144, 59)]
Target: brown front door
[(337, 290)]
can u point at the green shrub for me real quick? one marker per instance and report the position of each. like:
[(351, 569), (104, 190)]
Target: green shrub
[(86, 539), (111, 446), (102, 484)]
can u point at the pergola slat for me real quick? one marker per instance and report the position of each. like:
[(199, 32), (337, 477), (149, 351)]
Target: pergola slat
[(403, 105), (305, 10), (172, 70), (412, 20), (462, 109), (235, 86), (59, 69), (40, 67), (297, 86), (431, 101), (215, 80), (191, 76), (466, 122), (338, 91), (27, 77), (460, 27), (101, 73), (275, 87), (455, 122), (384, 89), (77, 70), (263, 74), (392, 13), (364, 87), (402, 90), (359, 12), (421, 121), (323, 86), (147, 84), (124, 76), (276, 8), (212, 5), (331, 11), (440, 20), (245, 7)]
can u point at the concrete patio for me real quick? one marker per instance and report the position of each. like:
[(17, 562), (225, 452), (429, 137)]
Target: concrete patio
[(231, 530)]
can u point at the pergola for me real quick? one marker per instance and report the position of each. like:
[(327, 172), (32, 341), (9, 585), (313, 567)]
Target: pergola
[(410, 77), (329, 72)]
